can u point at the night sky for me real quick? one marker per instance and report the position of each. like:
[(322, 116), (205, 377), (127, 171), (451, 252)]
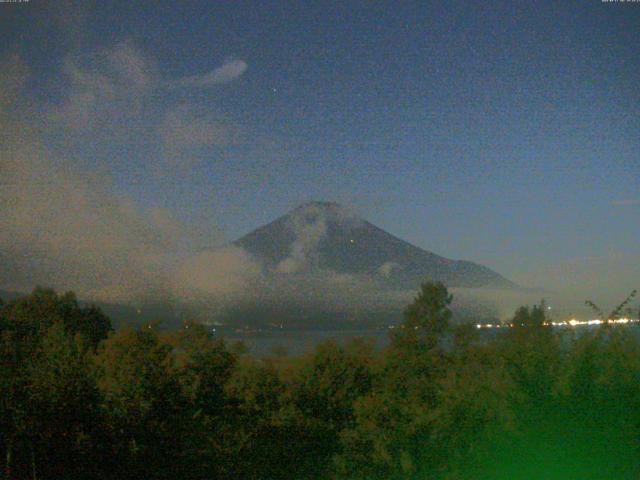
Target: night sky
[(506, 133)]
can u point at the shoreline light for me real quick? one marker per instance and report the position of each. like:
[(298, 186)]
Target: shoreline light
[(569, 323)]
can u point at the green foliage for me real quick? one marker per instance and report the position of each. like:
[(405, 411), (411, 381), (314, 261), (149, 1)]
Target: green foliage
[(391, 432), (322, 393), (48, 399), (330, 380), (30, 316), (426, 319), (142, 401), (63, 401), (258, 443), (440, 402), (532, 354), (204, 366), (534, 318)]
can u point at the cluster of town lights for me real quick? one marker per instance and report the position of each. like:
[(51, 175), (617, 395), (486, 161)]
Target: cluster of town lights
[(567, 323)]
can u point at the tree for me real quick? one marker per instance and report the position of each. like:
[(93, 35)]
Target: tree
[(30, 316), (260, 442), (532, 353), (536, 317), (143, 404), (13, 401), (426, 319), (33, 338), (322, 393), (203, 366), (475, 409), (62, 407), (391, 431)]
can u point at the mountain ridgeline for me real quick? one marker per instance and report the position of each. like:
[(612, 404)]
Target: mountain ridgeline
[(324, 236)]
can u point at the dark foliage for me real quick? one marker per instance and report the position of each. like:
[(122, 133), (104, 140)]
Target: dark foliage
[(438, 403)]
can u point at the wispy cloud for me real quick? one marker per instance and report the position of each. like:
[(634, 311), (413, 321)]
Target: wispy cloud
[(627, 202), (226, 73), (186, 129), (184, 126), (63, 223), (104, 89), (130, 65), (115, 83), (13, 75)]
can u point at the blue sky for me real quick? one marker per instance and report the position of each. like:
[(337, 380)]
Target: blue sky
[(506, 133)]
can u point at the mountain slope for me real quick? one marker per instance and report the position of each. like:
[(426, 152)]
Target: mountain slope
[(321, 236)]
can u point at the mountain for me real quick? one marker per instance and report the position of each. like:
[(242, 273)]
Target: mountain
[(325, 236)]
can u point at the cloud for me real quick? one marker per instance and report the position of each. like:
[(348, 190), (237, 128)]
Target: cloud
[(115, 99), (605, 279), (13, 75), (224, 272), (63, 224), (131, 68), (185, 130), (125, 66), (118, 88), (626, 202), (387, 268), (106, 91), (309, 227), (121, 70), (67, 228), (227, 72)]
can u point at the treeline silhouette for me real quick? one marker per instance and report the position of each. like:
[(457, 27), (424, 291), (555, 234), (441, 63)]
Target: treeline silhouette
[(78, 400)]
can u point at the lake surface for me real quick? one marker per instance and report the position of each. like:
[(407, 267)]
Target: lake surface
[(297, 342)]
